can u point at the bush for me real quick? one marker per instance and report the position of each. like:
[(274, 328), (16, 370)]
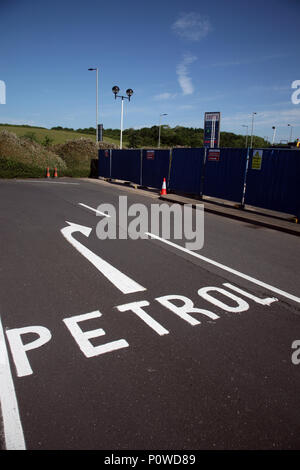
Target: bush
[(29, 154), (15, 169), (30, 136)]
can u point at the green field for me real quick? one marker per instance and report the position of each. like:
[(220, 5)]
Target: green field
[(59, 137)]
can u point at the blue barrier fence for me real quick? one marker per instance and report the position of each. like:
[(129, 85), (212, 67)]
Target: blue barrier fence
[(276, 186), (225, 173), (104, 161), (186, 170), (270, 180), (155, 167), (125, 165)]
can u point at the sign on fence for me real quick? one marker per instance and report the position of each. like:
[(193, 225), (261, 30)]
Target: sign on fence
[(257, 159), (214, 155), (150, 154)]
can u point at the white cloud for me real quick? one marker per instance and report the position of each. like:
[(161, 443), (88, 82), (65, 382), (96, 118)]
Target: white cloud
[(278, 118), (165, 96), (183, 78), (192, 26)]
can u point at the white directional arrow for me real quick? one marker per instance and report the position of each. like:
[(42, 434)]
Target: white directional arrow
[(116, 277)]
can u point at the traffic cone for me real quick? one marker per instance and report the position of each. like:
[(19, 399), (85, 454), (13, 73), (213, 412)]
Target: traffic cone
[(48, 173), (164, 188), (55, 173)]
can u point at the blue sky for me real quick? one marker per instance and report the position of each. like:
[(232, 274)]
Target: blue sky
[(180, 58)]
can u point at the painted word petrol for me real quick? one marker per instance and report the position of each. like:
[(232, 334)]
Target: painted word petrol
[(186, 311)]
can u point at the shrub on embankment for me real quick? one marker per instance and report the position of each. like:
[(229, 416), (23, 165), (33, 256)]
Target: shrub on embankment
[(77, 155), (21, 157)]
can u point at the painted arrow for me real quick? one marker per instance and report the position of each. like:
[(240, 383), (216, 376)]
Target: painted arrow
[(116, 277)]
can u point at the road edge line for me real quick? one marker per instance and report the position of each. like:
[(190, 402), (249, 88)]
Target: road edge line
[(13, 431)]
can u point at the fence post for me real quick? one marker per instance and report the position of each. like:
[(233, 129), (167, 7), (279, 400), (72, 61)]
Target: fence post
[(110, 158), (203, 174), (245, 179), (170, 165), (141, 172)]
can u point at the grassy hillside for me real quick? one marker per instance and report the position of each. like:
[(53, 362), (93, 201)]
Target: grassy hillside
[(56, 136), (25, 157)]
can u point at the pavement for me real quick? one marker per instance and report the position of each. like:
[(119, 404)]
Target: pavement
[(142, 344), (254, 215)]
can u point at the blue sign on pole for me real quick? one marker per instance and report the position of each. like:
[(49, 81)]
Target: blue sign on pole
[(211, 137)]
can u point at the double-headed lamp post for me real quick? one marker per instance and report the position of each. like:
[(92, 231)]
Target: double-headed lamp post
[(251, 143), (244, 125), (129, 93), (96, 69), (164, 114)]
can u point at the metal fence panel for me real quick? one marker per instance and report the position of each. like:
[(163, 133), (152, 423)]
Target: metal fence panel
[(155, 167), (186, 169), (126, 165), (104, 163), (276, 185), (224, 174)]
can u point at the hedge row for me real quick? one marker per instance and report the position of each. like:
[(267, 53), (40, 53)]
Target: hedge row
[(16, 169)]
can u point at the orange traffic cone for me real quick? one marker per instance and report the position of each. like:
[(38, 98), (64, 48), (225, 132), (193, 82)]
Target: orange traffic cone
[(48, 173), (164, 188), (55, 173)]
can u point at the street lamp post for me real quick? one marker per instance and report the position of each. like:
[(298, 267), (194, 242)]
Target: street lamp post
[(289, 125), (274, 133), (252, 130), (96, 69), (244, 125), (164, 114), (129, 93)]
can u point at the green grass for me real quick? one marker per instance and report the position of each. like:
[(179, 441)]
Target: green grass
[(59, 137)]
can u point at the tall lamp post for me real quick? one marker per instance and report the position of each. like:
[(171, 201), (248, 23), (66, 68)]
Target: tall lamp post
[(251, 144), (289, 125), (96, 69), (129, 93), (164, 114), (274, 133), (244, 125)]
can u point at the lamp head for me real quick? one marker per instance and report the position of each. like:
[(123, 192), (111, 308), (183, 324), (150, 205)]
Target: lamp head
[(115, 90), (129, 93)]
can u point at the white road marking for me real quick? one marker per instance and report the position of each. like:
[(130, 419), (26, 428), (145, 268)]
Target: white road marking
[(116, 277), (242, 305), (13, 431), (82, 338), (92, 209), (268, 301), (228, 269), (185, 310), (18, 348), (136, 307)]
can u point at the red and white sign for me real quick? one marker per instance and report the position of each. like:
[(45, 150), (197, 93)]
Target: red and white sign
[(214, 155), (150, 154), (106, 153)]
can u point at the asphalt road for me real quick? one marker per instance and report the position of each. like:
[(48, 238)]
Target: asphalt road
[(221, 378)]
